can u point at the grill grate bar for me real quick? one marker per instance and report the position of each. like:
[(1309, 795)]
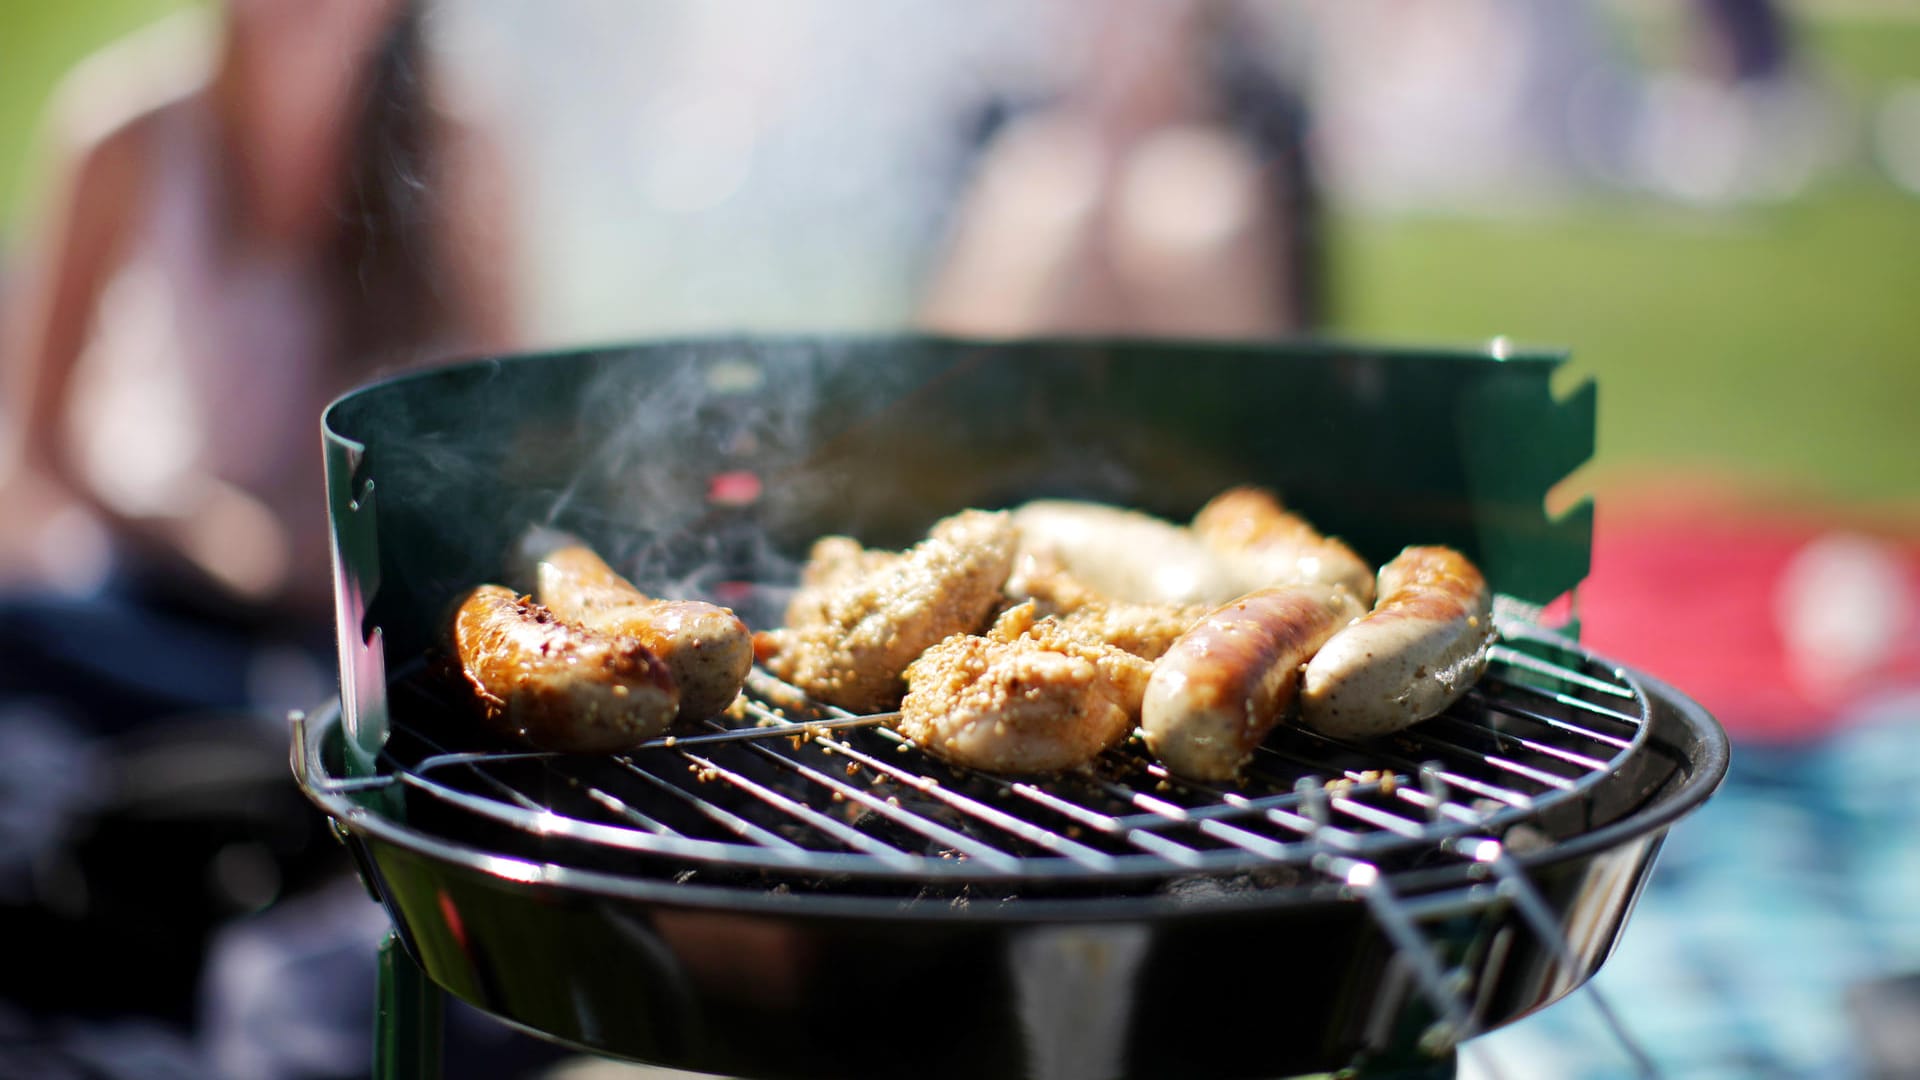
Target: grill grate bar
[(1240, 838), (1588, 764), (1143, 838), (1043, 838), (1504, 654), (1025, 830), (1554, 695), (1432, 737), (748, 734), (441, 757), (1515, 799), (617, 805), (893, 811), (473, 762), (1559, 782), (1436, 806), (1373, 815), (1170, 850), (1232, 804), (450, 759), (1273, 808), (851, 838), (1493, 703), (1092, 819), (1165, 813), (1158, 811), (1362, 785)]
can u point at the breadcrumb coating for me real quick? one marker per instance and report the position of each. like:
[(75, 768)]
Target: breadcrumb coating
[(861, 617), (1011, 706), (1127, 672)]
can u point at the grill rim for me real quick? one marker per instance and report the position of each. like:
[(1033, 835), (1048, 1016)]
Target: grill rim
[(1704, 759)]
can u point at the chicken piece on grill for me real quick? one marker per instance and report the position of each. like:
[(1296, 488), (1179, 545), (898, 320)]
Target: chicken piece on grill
[(861, 618), (1145, 630), (1126, 671), (833, 564), (1015, 706)]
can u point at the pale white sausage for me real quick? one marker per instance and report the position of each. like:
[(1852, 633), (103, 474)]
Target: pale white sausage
[(1423, 645), (1126, 555)]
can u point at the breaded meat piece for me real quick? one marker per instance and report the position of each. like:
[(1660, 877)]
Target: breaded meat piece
[(861, 621), (1126, 671), (1010, 706)]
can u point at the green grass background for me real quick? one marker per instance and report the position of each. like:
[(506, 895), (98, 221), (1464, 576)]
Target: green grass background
[(1781, 343)]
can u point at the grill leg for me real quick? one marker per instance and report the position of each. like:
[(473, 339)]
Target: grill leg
[(406, 1030)]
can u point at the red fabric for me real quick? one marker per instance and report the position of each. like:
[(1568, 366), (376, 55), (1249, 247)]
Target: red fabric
[(1688, 591)]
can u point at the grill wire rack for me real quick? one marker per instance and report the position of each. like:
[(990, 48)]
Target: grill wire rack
[(790, 794)]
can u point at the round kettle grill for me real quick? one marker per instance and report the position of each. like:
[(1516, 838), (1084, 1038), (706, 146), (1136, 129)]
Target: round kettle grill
[(790, 890)]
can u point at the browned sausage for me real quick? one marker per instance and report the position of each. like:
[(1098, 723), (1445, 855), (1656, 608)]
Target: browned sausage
[(1227, 681), (1277, 546), (706, 646), (556, 685), (1421, 647)]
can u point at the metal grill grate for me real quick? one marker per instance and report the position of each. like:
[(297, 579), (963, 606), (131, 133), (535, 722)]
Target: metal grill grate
[(791, 787)]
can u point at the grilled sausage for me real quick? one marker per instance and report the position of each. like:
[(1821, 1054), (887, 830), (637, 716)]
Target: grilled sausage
[(556, 685), (1227, 681), (1124, 554), (1419, 649), (1277, 546), (706, 646)]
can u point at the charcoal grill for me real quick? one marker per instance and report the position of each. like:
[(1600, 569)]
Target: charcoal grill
[(794, 891)]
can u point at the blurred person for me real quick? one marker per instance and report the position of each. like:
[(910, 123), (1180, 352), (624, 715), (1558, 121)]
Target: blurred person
[(250, 213), (1164, 192), (217, 261)]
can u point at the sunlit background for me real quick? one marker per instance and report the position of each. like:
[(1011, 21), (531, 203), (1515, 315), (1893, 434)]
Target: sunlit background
[(1736, 266), (1724, 233)]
